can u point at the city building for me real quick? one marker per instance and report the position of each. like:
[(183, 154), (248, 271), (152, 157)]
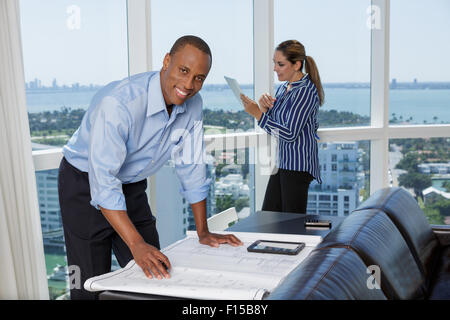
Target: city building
[(432, 194), (338, 194), (434, 168), (47, 186)]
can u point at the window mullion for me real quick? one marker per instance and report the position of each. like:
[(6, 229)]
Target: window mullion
[(379, 155), (263, 35)]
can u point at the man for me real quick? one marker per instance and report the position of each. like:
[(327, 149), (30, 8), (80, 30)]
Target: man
[(131, 129)]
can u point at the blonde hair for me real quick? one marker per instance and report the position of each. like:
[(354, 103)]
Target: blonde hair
[(294, 51)]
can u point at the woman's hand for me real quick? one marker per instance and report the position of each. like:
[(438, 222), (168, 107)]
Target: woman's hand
[(151, 260), (214, 239), (266, 102), (251, 107)]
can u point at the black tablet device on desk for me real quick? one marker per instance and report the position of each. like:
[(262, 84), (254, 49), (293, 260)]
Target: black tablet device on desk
[(276, 247)]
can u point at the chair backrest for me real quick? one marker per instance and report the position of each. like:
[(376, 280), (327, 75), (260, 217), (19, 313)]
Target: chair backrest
[(378, 242), (222, 220), (328, 274), (405, 213)]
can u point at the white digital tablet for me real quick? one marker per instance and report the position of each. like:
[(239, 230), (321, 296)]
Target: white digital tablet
[(234, 85)]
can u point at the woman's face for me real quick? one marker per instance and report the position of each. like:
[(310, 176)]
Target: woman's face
[(285, 70)]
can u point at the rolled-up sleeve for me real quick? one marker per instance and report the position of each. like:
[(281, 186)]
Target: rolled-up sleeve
[(107, 152), (190, 165)]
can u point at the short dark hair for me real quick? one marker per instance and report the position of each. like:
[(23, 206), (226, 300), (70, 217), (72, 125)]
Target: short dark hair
[(193, 41)]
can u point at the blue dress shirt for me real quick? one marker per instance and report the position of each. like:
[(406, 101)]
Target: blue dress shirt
[(293, 120), (126, 135)]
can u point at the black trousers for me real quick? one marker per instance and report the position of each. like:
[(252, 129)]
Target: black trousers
[(287, 191), (88, 235)]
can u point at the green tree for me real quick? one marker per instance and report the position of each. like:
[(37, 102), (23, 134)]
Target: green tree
[(446, 185), (409, 162), (417, 181), (224, 202), (433, 215), (442, 205), (241, 203)]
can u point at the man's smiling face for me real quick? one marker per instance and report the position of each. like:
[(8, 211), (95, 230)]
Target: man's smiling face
[(183, 74)]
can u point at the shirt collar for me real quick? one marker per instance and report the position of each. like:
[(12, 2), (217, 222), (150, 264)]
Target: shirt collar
[(156, 101), (300, 83)]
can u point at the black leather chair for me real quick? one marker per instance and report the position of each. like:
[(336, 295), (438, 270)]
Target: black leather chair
[(373, 236), (329, 273), (429, 245), (388, 230)]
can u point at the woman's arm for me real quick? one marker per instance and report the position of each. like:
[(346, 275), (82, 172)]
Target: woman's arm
[(301, 107)]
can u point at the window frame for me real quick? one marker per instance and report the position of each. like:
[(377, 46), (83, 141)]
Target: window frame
[(379, 132)]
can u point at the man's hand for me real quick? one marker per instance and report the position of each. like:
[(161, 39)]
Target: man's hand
[(151, 260), (214, 239), (266, 102), (148, 257), (206, 237)]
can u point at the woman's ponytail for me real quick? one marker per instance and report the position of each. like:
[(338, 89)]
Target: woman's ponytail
[(311, 69)]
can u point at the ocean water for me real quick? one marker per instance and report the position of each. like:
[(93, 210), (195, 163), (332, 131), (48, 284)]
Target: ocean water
[(417, 106)]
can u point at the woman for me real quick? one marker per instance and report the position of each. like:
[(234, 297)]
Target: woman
[(292, 118)]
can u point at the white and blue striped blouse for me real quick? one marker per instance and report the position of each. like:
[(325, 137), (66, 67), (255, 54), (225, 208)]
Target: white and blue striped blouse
[(293, 120)]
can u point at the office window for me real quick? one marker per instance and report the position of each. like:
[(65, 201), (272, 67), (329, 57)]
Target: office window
[(232, 174), (338, 38), (53, 238), (227, 27), (344, 187), (70, 50), (419, 64), (422, 166), (230, 38)]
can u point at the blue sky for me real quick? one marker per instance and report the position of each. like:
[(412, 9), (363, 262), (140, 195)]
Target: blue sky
[(335, 33)]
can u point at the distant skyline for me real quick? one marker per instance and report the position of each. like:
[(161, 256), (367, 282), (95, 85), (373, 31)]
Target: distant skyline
[(93, 48), (55, 84)]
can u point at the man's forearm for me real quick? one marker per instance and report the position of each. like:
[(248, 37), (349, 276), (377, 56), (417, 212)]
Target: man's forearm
[(199, 212), (206, 237), (122, 224)]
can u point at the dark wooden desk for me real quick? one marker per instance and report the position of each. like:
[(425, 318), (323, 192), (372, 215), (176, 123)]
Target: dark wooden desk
[(279, 222), (261, 221)]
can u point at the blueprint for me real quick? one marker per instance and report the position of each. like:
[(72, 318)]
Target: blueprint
[(203, 272)]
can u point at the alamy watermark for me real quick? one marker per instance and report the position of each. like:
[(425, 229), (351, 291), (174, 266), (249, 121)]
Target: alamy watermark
[(374, 280), (74, 277), (73, 21), (189, 148), (374, 19)]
